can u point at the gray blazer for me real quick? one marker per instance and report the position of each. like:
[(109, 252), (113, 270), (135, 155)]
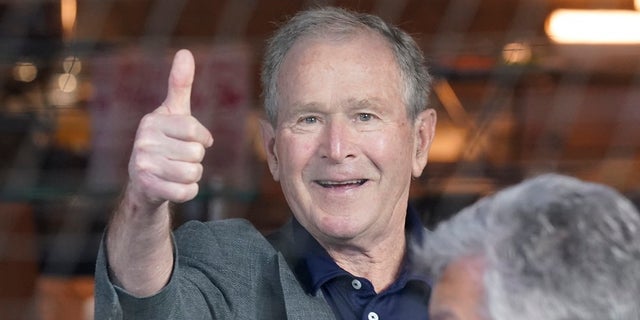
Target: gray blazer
[(223, 270)]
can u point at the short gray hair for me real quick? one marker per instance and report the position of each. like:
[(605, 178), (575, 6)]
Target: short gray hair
[(555, 248), (327, 21)]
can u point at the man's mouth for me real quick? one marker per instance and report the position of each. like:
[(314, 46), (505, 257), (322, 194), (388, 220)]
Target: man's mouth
[(341, 184)]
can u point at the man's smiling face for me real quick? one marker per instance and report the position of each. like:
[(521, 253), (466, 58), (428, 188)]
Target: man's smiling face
[(344, 149)]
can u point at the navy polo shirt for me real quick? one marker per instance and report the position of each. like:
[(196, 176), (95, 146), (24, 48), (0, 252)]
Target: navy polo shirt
[(354, 297)]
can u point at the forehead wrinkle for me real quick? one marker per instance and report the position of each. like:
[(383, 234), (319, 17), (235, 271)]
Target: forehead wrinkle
[(306, 106)]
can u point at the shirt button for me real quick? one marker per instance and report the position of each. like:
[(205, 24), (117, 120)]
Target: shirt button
[(373, 316), (356, 284)]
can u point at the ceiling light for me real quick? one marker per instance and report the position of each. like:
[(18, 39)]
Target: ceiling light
[(25, 71), (594, 26), (67, 82), (68, 12), (516, 53), (72, 64)]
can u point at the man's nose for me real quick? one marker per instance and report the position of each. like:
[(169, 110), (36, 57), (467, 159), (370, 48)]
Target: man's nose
[(338, 144)]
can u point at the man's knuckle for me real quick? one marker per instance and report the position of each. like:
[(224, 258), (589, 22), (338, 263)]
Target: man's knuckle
[(194, 172)]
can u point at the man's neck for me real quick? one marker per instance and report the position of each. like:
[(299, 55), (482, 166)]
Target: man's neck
[(378, 261)]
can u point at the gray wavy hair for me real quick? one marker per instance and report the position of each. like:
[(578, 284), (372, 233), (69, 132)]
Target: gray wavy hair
[(555, 248), (331, 21)]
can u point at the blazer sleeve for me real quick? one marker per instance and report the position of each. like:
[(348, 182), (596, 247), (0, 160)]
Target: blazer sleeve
[(213, 277)]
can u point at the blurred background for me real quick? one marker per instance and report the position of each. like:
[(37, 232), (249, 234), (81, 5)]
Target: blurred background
[(521, 87)]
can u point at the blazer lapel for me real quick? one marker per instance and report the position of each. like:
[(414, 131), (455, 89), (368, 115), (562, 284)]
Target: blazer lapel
[(298, 303)]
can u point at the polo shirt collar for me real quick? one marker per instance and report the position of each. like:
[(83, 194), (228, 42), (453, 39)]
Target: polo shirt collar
[(316, 266)]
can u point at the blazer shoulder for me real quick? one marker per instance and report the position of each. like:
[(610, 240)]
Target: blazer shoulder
[(235, 234)]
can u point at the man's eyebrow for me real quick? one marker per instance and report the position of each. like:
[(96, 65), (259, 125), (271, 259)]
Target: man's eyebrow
[(372, 104), (443, 315), (364, 103), (353, 104), (300, 108), (306, 106)]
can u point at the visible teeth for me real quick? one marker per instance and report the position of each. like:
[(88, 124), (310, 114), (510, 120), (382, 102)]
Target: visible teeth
[(329, 184)]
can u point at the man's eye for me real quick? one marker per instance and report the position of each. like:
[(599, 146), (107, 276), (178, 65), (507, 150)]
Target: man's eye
[(365, 117), (309, 120)]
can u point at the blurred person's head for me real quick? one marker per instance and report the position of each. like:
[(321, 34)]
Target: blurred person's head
[(551, 247)]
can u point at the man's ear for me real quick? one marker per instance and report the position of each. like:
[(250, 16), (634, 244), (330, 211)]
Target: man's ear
[(269, 143), (425, 130)]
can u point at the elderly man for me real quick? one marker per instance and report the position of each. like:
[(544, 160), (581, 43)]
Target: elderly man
[(348, 128), (550, 248)]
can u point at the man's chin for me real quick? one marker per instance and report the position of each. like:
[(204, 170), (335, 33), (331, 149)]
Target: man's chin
[(340, 229)]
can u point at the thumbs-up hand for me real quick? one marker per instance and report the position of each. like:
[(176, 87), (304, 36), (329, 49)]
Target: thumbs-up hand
[(170, 144)]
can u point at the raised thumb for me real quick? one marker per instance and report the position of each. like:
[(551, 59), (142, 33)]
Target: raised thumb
[(178, 100)]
